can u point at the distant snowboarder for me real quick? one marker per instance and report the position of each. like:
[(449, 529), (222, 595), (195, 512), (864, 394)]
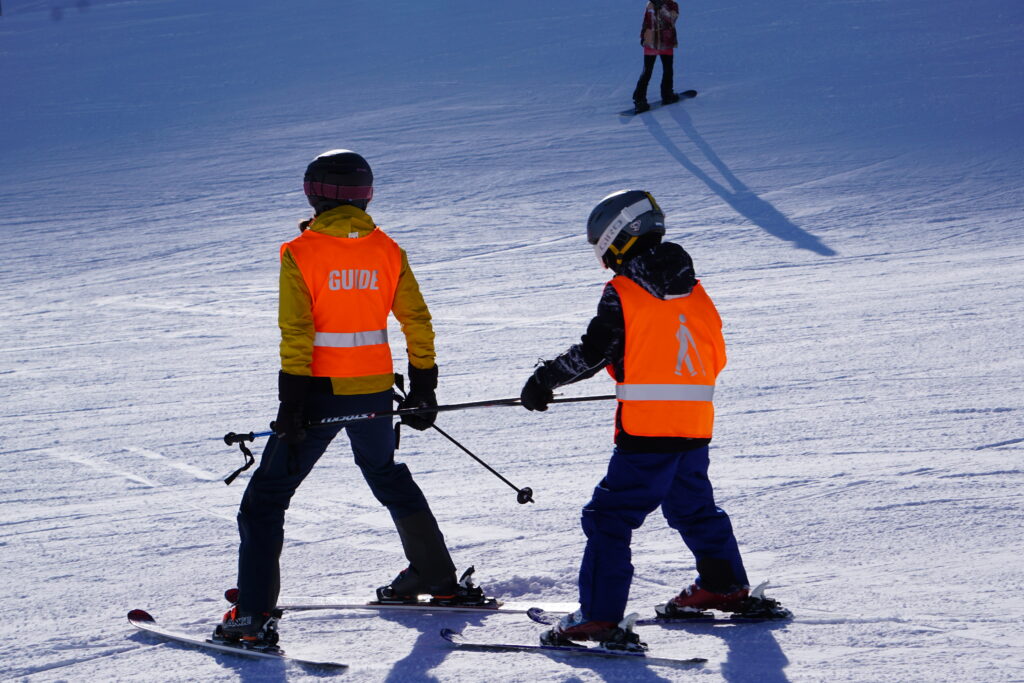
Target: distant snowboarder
[(658, 38), (653, 320)]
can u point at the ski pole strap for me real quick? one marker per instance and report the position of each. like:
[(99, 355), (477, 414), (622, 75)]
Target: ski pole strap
[(240, 439)]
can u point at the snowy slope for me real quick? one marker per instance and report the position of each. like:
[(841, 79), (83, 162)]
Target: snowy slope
[(848, 182)]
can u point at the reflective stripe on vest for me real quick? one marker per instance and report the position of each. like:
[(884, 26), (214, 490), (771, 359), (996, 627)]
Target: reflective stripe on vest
[(352, 283), (350, 340), (673, 353), (664, 392)]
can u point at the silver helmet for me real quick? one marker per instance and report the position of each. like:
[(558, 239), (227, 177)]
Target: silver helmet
[(619, 221)]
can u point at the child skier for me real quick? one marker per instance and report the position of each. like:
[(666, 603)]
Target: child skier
[(658, 333), (340, 278)]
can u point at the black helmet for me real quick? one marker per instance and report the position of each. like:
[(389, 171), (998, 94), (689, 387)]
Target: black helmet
[(338, 177), (619, 221)]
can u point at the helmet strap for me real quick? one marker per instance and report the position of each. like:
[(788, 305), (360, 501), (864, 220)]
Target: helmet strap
[(620, 252), (625, 217)]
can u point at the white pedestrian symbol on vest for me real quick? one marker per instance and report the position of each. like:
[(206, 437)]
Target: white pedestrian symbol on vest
[(686, 342)]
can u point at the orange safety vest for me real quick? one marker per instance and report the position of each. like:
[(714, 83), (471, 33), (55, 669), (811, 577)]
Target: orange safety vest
[(352, 283), (674, 351)]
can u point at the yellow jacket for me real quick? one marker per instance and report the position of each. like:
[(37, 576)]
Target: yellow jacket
[(295, 311)]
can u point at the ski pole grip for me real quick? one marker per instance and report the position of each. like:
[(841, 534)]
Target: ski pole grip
[(231, 438)]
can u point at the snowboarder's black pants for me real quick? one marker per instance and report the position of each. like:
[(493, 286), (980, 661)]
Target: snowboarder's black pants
[(640, 94), (261, 514)]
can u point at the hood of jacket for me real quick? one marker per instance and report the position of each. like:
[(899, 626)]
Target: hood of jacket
[(665, 270), (341, 221)]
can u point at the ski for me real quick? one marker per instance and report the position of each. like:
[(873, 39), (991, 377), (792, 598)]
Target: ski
[(551, 617), (342, 602), (143, 621), (461, 642), (685, 95), (756, 609)]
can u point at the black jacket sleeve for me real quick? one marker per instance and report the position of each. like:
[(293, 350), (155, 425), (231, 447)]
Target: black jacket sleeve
[(602, 344)]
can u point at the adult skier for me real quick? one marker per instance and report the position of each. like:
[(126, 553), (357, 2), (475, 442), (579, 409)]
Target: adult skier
[(659, 335), (658, 38), (339, 280)]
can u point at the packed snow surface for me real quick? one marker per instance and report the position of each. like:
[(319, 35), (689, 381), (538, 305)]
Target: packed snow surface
[(849, 183)]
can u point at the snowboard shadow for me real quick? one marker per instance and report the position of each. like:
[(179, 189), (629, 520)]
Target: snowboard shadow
[(736, 194)]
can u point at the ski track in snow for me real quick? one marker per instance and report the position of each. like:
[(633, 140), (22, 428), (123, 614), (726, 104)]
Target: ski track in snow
[(852, 201)]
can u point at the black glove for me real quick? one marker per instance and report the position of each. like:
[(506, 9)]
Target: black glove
[(422, 384), (535, 396), (290, 423)]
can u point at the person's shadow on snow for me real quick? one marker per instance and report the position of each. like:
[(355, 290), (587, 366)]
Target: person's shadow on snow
[(753, 654), (430, 650), (737, 195)]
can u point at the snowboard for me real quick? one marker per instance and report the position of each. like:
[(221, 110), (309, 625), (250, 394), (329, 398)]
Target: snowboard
[(685, 95)]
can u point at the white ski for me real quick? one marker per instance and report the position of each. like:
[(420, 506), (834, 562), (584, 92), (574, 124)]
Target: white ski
[(143, 621), (339, 602)]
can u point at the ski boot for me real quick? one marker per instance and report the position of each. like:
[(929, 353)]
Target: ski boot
[(694, 601), (640, 106), (406, 588), (670, 98), (251, 631), (609, 635)]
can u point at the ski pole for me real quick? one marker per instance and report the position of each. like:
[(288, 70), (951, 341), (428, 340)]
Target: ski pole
[(523, 495), (232, 438)]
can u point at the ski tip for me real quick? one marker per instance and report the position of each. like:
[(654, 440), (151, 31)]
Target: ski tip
[(140, 615), (450, 634), (541, 616)]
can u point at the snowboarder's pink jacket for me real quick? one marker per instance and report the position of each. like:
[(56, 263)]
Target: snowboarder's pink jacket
[(658, 33)]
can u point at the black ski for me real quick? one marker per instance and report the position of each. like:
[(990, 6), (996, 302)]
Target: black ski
[(756, 608), (461, 642), (548, 618), (143, 621)]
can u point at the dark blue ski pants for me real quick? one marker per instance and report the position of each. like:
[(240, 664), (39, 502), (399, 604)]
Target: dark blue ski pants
[(636, 484), (261, 514)]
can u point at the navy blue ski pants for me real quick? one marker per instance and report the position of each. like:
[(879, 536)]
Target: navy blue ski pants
[(636, 484), (261, 514)]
